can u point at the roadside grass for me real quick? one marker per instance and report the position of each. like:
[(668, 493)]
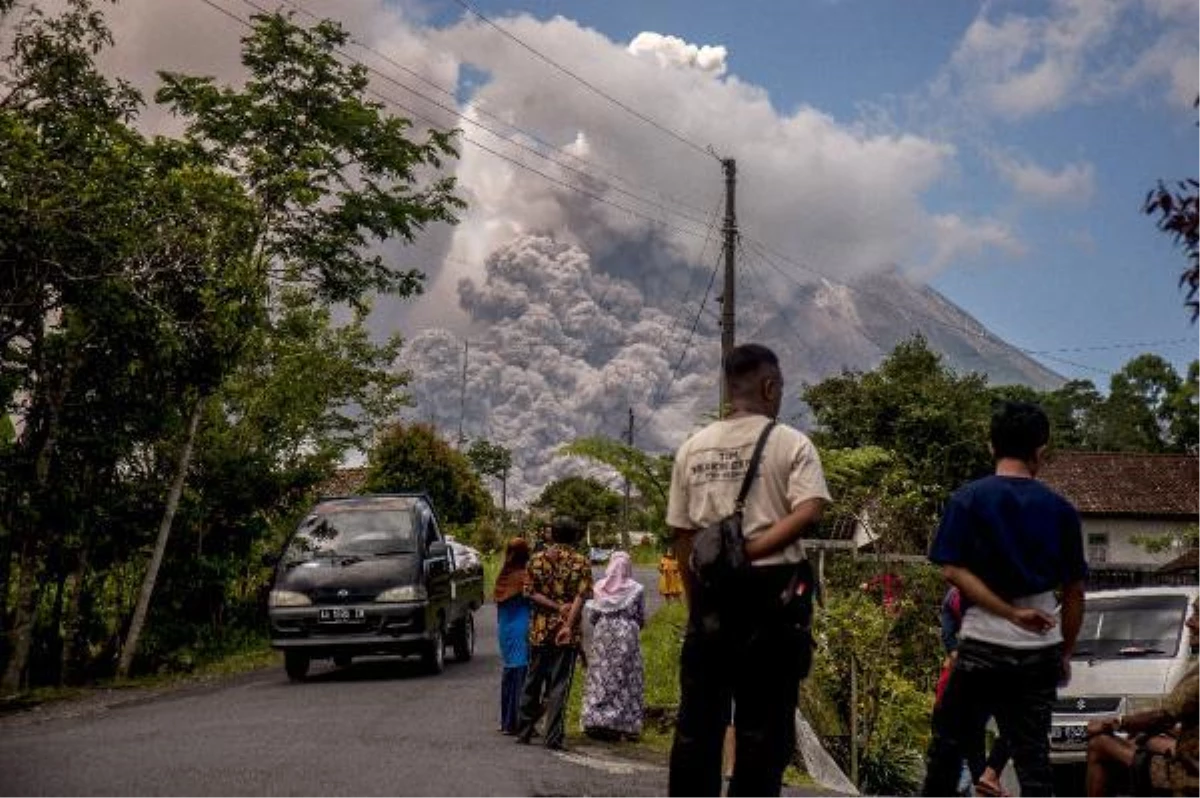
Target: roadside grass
[(662, 640), (250, 658), (492, 561)]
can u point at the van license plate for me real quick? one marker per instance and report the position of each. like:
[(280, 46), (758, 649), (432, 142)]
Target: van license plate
[(1069, 736), (341, 615)]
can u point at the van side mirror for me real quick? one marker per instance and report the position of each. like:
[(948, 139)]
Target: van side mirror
[(439, 551)]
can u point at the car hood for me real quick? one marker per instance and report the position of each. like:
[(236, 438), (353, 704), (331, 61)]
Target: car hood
[(322, 580), (1118, 677)]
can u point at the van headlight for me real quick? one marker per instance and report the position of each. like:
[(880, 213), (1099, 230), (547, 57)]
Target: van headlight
[(403, 593), (1142, 703), (288, 598)]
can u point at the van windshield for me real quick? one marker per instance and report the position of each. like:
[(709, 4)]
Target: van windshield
[(359, 532), (1124, 627)]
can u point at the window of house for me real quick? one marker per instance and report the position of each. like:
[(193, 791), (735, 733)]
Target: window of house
[(1097, 547)]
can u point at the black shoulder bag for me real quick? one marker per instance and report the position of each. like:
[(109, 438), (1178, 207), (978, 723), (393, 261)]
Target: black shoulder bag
[(719, 550)]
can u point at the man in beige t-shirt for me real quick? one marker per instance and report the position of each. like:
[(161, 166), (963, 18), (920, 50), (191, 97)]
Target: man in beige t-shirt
[(754, 658)]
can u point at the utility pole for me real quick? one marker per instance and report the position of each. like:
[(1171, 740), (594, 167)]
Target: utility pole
[(625, 525), (728, 328), (462, 394)]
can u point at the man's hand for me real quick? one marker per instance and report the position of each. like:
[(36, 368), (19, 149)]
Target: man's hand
[(1033, 620), (1101, 726), (563, 638), (563, 611)]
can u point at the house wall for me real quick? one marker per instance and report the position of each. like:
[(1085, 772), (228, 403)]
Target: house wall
[(1119, 534)]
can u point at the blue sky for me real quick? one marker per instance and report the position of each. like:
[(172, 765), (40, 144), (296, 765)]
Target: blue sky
[(1064, 171)]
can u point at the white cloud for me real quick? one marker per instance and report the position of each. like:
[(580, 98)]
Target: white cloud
[(673, 51), (577, 308), (1075, 183), (1016, 65), (957, 238)]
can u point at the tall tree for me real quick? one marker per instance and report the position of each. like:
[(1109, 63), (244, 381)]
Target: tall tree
[(933, 420), (492, 460), (414, 458), (327, 171), (649, 474), (585, 499)]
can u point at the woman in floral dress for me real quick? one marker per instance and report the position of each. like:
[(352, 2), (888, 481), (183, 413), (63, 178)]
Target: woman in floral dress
[(613, 701)]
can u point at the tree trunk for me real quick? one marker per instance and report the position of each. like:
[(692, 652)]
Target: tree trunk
[(160, 545), (71, 618), (21, 633)]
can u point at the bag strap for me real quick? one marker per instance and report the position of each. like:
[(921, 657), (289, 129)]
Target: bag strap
[(752, 469)]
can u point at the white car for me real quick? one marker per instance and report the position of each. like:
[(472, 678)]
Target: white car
[(465, 557)]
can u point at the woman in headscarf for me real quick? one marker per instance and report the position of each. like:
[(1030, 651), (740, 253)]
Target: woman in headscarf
[(512, 613), (613, 694)]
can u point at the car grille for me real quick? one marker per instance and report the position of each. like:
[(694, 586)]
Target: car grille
[(329, 595), (1087, 705)]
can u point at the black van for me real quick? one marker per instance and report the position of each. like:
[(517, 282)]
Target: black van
[(371, 575)]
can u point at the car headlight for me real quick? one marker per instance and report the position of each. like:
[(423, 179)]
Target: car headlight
[(403, 593), (288, 598), (1141, 703)]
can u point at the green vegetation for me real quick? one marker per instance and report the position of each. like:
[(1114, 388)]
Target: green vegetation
[(177, 382)]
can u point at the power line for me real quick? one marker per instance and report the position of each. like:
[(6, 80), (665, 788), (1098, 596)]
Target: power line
[(458, 114), (479, 106), (673, 134), (662, 394)]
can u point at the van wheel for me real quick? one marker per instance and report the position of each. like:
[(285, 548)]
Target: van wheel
[(296, 665), (464, 639), (343, 661), (434, 657)]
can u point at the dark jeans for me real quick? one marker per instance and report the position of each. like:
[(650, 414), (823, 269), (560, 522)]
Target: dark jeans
[(511, 685), (550, 669), (752, 658), (1015, 686)]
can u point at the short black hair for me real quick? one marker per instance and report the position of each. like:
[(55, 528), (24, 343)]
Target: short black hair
[(746, 361), (1019, 429), (565, 529)]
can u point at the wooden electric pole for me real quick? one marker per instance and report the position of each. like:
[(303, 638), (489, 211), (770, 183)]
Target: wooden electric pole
[(625, 525), (728, 323), (462, 394)]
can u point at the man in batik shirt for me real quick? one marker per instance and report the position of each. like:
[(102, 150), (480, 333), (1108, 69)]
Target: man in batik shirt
[(560, 580)]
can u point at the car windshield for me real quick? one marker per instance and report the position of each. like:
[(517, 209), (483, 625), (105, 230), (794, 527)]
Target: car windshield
[(358, 532), (1131, 626)]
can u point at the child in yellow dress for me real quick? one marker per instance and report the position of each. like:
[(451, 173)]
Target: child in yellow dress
[(670, 582)]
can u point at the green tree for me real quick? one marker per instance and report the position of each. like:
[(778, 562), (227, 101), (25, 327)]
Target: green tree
[(1139, 414), (585, 499), (1178, 215), (415, 458), (648, 474), (1074, 410), (492, 460), (933, 421), (326, 170)]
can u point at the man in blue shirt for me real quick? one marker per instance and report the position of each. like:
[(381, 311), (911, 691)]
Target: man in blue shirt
[(1008, 543)]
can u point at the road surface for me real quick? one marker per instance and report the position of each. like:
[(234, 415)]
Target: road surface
[(379, 727)]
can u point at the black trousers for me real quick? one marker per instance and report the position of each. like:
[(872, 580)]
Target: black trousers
[(751, 657), (512, 687), (550, 669), (1017, 687)]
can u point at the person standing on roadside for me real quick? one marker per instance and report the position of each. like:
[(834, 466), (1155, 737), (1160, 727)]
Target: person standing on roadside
[(756, 654), (512, 621), (559, 582), (1008, 542)]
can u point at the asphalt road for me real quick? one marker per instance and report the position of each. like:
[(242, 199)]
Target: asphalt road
[(379, 727)]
